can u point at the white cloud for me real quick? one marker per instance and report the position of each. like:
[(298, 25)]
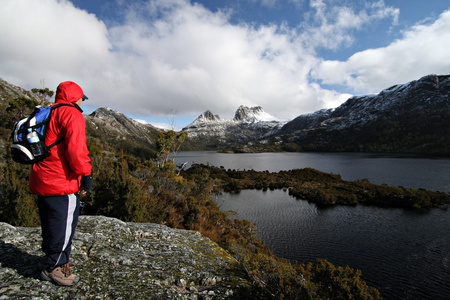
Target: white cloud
[(422, 50), (159, 125), (173, 55), (332, 26), (191, 60), (48, 40)]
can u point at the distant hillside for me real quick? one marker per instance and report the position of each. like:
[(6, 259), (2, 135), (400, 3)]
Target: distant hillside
[(407, 118), (114, 128)]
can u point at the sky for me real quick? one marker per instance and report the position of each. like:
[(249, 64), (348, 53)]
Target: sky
[(167, 61)]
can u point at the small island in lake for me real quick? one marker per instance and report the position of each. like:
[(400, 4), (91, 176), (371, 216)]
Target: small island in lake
[(323, 189)]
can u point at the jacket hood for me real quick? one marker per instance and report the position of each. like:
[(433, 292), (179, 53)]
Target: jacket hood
[(68, 92)]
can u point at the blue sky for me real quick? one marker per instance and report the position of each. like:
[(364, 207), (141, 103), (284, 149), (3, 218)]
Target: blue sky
[(167, 61)]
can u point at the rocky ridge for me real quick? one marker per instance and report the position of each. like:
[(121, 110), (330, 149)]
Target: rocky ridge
[(253, 114), (411, 117), (121, 127), (118, 260), (430, 93), (8, 90)]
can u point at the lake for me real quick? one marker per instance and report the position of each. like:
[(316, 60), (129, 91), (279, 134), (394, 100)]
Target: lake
[(403, 253)]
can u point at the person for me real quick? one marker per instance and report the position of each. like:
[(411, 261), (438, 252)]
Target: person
[(59, 179)]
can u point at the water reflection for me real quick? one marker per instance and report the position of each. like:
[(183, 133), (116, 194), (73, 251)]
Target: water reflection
[(403, 253)]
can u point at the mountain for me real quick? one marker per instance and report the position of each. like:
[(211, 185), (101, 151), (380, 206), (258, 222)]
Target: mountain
[(252, 115), (249, 124), (115, 128), (410, 118), (123, 127)]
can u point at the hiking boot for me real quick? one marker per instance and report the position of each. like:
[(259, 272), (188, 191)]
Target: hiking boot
[(61, 275)]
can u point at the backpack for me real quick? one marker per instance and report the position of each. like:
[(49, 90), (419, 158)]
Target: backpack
[(21, 149)]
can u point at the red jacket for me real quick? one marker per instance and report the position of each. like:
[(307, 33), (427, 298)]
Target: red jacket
[(60, 173)]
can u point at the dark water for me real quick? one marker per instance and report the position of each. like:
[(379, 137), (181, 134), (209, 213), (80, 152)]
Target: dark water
[(405, 254)]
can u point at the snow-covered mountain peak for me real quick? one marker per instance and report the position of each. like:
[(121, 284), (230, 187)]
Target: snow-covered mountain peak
[(206, 119), (208, 116), (246, 121), (243, 114), (253, 114), (104, 112)]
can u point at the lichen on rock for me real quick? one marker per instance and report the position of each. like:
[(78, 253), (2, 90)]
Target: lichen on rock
[(118, 260)]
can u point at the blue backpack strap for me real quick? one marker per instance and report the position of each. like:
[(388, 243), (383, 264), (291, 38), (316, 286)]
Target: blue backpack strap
[(48, 120)]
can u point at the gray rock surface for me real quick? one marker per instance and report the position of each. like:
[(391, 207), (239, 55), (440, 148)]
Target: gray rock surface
[(118, 260)]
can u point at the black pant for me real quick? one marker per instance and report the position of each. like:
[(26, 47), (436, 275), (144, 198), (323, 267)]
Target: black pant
[(59, 218)]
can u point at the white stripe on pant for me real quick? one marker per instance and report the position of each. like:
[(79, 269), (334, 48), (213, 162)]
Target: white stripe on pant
[(59, 218)]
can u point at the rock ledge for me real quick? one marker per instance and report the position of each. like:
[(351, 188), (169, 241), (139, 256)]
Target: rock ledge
[(118, 260)]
